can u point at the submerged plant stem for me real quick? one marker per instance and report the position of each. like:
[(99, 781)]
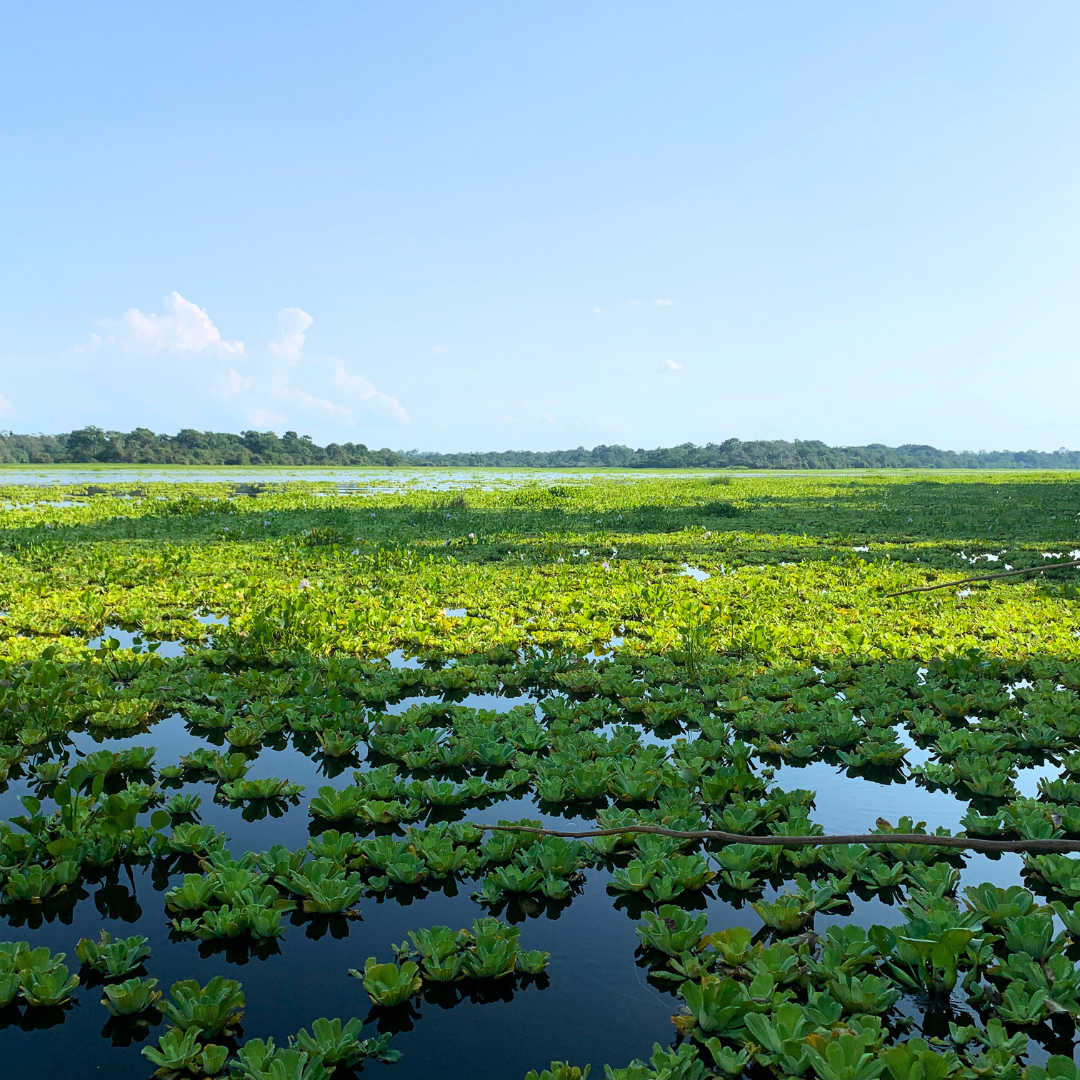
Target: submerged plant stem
[(985, 577), (877, 839)]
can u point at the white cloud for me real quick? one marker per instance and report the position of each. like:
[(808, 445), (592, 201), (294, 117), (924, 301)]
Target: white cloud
[(635, 303), (263, 388), (317, 405), (265, 418), (437, 350), (93, 343), (664, 303), (597, 311), (289, 343), (185, 328), (6, 408), (673, 366), (269, 395), (231, 382), (358, 389)]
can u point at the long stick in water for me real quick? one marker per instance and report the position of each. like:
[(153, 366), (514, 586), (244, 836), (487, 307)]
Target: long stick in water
[(875, 839), (984, 577)]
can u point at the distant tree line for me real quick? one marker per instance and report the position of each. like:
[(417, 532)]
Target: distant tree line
[(191, 447)]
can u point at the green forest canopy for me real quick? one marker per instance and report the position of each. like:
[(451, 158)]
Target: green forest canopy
[(191, 447)]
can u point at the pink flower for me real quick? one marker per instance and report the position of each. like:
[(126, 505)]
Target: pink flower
[(606, 565), (472, 536), (304, 583), (561, 559)]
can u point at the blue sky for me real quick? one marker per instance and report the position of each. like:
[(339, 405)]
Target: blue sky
[(491, 226)]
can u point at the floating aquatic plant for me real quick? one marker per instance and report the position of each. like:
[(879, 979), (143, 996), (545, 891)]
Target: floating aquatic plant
[(796, 656)]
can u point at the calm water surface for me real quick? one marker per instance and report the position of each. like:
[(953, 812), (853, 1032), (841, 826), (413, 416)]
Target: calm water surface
[(595, 1003)]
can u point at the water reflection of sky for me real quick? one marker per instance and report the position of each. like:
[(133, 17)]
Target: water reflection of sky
[(350, 480)]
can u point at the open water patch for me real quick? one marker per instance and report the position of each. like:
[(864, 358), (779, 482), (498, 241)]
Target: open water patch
[(849, 803), (210, 619), (127, 639), (693, 572)]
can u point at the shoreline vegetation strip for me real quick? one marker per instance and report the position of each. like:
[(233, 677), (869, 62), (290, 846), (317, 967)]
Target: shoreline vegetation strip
[(92, 445)]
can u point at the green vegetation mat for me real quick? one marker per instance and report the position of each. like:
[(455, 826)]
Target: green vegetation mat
[(284, 712)]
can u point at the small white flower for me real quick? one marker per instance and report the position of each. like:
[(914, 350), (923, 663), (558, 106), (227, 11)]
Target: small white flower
[(472, 536), (304, 583)]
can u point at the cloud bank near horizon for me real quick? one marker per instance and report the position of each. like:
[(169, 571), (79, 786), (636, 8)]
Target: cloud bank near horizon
[(278, 384)]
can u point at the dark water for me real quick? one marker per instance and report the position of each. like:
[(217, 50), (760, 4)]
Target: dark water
[(594, 1003)]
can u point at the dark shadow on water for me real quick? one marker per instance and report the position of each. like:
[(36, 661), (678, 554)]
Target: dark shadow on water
[(858, 510)]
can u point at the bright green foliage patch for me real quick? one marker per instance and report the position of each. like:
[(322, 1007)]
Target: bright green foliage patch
[(630, 692)]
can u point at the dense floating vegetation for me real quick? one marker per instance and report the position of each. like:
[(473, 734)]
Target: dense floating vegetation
[(615, 687)]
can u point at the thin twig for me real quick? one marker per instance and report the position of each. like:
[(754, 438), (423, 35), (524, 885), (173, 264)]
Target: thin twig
[(984, 577), (874, 839)]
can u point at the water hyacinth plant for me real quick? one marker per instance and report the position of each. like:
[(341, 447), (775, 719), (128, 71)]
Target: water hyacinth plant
[(387, 984), (131, 997), (113, 959), (211, 1010)]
